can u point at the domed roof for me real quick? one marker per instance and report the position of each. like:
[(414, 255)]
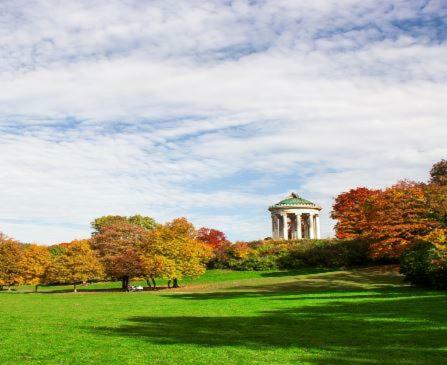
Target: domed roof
[(294, 200)]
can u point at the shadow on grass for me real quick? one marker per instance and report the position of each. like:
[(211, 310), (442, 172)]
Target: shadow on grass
[(304, 271), (388, 327), (321, 283)]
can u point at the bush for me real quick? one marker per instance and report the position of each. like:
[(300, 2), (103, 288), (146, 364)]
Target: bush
[(326, 253), (425, 265), (254, 263), (269, 255)]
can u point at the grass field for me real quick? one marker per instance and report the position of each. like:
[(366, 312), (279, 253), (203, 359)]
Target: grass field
[(333, 317)]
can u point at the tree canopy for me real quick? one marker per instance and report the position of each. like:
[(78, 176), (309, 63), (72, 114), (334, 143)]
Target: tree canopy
[(34, 264), (74, 263), (438, 173), (10, 261), (118, 247), (395, 217), (101, 223)]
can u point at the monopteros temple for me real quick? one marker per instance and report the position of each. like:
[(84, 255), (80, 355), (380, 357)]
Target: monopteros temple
[(295, 218)]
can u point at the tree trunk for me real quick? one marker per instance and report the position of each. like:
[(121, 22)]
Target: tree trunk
[(148, 282), (124, 282), (1, 287), (175, 283), (35, 288), (154, 283), (74, 288), (9, 287), (169, 283)]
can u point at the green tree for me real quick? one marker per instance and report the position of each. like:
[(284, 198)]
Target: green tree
[(143, 221), (101, 223), (438, 173)]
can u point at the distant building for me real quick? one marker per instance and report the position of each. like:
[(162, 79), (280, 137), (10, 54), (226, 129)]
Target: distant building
[(295, 218)]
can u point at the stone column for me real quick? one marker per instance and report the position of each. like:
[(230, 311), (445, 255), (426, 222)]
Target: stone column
[(284, 226), (317, 226), (276, 223), (273, 227), (299, 234), (311, 227)]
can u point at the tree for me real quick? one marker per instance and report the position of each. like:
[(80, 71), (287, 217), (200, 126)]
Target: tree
[(142, 221), (118, 248), (401, 215), (436, 196), (352, 211), (34, 263), (213, 238), (438, 173), (101, 223), (10, 255), (391, 219), (74, 263), (157, 266), (183, 254)]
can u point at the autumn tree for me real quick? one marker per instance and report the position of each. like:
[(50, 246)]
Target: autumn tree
[(118, 246), (391, 219), (400, 216), (352, 211), (10, 255), (213, 238), (34, 263), (157, 266), (74, 263), (183, 254)]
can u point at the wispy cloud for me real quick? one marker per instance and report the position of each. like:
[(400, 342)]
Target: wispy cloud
[(211, 110)]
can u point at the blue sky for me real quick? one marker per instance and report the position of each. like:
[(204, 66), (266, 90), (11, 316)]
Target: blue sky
[(212, 110)]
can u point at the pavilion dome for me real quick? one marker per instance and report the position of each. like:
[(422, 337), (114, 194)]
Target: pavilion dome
[(295, 201)]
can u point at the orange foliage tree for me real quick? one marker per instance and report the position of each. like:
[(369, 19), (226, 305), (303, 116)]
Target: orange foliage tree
[(391, 218), (34, 263), (212, 237), (10, 268), (74, 263), (401, 215), (352, 211)]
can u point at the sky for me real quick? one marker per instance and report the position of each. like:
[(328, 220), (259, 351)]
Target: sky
[(212, 110)]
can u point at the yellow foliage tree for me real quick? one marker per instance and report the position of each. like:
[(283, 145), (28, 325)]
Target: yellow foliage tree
[(74, 263), (10, 255), (174, 251), (157, 266), (34, 263)]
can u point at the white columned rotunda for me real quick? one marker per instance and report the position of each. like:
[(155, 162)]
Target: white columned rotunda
[(295, 218)]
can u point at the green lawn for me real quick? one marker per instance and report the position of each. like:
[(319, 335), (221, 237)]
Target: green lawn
[(340, 317)]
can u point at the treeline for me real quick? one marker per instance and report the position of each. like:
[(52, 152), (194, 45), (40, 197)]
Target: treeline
[(291, 255), (404, 223), (121, 248)]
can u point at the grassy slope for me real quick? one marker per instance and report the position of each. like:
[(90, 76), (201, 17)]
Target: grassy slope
[(363, 315)]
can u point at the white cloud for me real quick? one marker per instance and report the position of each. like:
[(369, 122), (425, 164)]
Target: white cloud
[(211, 110)]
